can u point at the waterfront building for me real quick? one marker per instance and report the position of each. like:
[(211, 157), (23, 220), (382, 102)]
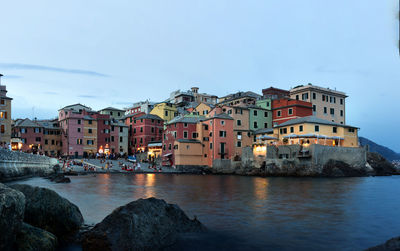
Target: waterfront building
[(36, 136), (119, 137), (260, 118), (114, 113), (286, 109), (103, 131), (71, 122), (179, 128), (5, 115), (240, 99), (51, 137), (313, 130), (327, 104), (89, 141), (146, 129), (165, 110), (275, 93)]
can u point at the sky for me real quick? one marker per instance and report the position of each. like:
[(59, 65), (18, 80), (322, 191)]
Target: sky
[(114, 53)]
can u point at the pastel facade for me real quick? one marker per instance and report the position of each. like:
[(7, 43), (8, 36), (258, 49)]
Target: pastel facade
[(89, 136), (286, 109), (114, 113), (119, 137), (275, 93), (313, 130), (327, 104), (165, 110), (201, 109), (240, 99), (139, 107), (146, 129), (5, 115), (260, 118)]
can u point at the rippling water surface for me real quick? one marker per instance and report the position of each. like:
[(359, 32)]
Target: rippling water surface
[(251, 213)]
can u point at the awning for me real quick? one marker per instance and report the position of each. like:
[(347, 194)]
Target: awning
[(154, 145), (291, 136), (167, 155), (266, 137)]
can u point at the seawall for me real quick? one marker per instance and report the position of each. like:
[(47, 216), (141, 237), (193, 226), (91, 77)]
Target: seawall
[(18, 165)]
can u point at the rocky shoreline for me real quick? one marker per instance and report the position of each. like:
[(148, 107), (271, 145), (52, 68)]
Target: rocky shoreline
[(40, 219)]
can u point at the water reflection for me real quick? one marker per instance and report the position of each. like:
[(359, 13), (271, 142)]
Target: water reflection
[(258, 213)]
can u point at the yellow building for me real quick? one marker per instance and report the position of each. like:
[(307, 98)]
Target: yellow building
[(5, 115), (89, 136), (201, 109), (313, 130), (165, 110)]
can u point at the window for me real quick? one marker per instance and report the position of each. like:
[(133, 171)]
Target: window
[(334, 129), (283, 130), (222, 122), (314, 95), (206, 127), (185, 134), (323, 97), (79, 129), (121, 139), (351, 130), (46, 142), (37, 130), (121, 129), (304, 96), (279, 113), (222, 134), (297, 97), (266, 114), (23, 130), (325, 110), (89, 130), (79, 141), (332, 111), (238, 122), (119, 114), (230, 111), (314, 108), (112, 138), (239, 144), (141, 140), (141, 129), (300, 128), (166, 114), (79, 121), (330, 99), (175, 134), (316, 128), (2, 101), (341, 101), (169, 147), (255, 112), (134, 130), (255, 124), (152, 129), (185, 124), (290, 111), (341, 113), (195, 135), (152, 120), (205, 112), (291, 129), (265, 125), (164, 147), (211, 146)]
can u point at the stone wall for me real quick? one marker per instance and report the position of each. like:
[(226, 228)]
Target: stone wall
[(353, 156), (17, 165)]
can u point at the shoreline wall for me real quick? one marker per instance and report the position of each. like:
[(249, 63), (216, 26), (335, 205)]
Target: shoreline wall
[(18, 165)]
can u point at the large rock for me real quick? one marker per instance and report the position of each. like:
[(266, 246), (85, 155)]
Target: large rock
[(145, 224), (32, 238), (47, 210), (380, 165), (390, 245), (12, 206)]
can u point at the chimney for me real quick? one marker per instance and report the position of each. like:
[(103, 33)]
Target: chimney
[(1, 75)]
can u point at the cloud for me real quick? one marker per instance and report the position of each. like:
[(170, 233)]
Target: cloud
[(13, 66), (11, 76), (51, 93), (88, 96)]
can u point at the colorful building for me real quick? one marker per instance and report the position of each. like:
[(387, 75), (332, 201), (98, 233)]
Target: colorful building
[(240, 99), (140, 107), (5, 115), (89, 136), (114, 113), (327, 104), (275, 93), (165, 110), (146, 129), (119, 137), (313, 130), (259, 118), (286, 109), (201, 109)]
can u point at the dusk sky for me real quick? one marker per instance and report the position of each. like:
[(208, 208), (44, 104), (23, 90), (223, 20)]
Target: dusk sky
[(114, 53)]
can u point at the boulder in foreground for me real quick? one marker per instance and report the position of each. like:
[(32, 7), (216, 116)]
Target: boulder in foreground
[(391, 245), (32, 238), (145, 224), (47, 210), (12, 206)]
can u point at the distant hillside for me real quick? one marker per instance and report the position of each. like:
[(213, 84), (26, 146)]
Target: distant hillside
[(382, 150)]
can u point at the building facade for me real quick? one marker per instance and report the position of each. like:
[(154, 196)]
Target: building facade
[(165, 110), (275, 93), (146, 129), (114, 113), (327, 104), (286, 109), (5, 115)]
